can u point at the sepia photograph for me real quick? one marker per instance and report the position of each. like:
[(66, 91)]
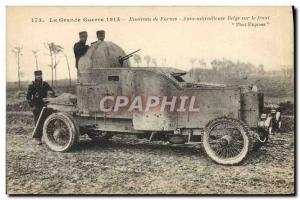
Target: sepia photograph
[(150, 100)]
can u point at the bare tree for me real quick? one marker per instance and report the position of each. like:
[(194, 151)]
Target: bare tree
[(215, 64), (51, 65), (261, 69), (56, 50), (17, 50), (35, 54), (53, 51), (202, 63), (192, 61), (163, 62), (137, 59), (68, 65), (287, 71), (154, 62), (148, 60)]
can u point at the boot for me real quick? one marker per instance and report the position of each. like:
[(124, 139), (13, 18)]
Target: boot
[(38, 141)]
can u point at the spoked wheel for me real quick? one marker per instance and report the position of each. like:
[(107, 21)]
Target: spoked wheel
[(60, 132), (226, 141)]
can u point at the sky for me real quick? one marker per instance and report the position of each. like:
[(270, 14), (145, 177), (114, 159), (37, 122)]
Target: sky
[(228, 37)]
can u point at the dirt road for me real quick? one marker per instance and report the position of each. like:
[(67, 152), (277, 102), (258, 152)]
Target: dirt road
[(126, 165)]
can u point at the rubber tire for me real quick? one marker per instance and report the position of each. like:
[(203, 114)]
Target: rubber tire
[(242, 127), (72, 126)]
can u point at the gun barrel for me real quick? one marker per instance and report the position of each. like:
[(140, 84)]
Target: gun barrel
[(126, 57), (130, 55)]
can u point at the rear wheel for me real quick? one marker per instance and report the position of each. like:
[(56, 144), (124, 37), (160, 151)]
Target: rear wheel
[(60, 132), (226, 141)]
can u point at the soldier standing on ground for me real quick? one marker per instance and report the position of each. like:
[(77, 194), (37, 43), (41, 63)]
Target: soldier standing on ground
[(80, 48), (38, 90)]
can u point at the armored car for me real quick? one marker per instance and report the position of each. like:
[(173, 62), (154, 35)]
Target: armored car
[(158, 104)]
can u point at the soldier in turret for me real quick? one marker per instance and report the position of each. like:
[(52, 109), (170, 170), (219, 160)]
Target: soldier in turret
[(80, 48), (38, 90), (100, 35)]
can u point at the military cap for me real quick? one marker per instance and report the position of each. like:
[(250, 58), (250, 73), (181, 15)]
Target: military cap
[(38, 72), (101, 32), (83, 33)]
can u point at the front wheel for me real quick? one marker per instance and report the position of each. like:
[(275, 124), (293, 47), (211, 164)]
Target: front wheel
[(60, 132), (226, 141)]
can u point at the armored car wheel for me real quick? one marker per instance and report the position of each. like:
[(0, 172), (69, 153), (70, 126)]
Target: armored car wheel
[(60, 132), (226, 141)]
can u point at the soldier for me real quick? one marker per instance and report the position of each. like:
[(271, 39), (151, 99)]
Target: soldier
[(100, 35), (80, 48), (38, 90)]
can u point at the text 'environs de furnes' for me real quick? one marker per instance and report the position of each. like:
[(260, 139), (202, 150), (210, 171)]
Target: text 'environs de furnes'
[(165, 19)]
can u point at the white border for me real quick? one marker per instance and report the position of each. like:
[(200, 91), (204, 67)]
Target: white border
[(5, 3)]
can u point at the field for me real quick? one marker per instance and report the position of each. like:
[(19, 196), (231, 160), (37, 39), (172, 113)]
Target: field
[(127, 165)]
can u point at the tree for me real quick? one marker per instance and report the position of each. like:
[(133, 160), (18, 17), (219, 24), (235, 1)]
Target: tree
[(214, 64), (35, 52), (197, 73), (53, 51), (48, 47), (192, 61), (56, 50), (17, 50), (68, 65), (137, 59), (148, 60), (261, 69), (202, 63), (154, 62), (163, 62)]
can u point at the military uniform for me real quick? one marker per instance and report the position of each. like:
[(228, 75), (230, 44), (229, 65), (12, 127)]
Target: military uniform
[(100, 35), (80, 49), (36, 92)]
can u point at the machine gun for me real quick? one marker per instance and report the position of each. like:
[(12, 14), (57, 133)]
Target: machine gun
[(123, 58)]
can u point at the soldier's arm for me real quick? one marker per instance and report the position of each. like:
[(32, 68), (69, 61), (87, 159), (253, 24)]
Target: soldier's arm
[(86, 49), (29, 95), (75, 49), (49, 88)]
